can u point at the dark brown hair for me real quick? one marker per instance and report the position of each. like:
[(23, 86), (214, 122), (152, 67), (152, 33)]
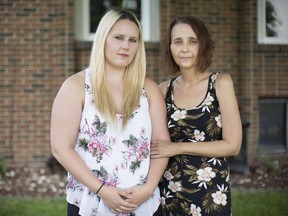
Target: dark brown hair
[(206, 45)]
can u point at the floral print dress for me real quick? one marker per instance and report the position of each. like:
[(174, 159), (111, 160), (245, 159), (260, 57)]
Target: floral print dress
[(195, 185), (118, 157)]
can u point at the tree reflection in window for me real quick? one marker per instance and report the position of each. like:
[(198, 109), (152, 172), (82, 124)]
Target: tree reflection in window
[(271, 20)]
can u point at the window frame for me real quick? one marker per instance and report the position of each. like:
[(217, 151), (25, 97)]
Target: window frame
[(262, 38), (270, 147), (150, 20)]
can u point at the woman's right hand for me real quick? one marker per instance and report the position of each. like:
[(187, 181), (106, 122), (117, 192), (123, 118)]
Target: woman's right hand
[(162, 149), (115, 199)]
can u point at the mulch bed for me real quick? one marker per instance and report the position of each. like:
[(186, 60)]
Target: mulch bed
[(51, 181)]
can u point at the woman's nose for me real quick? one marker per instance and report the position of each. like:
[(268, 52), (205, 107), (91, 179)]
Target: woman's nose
[(184, 48), (125, 45)]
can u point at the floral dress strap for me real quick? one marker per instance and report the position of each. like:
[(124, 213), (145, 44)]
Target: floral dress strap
[(168, 96)]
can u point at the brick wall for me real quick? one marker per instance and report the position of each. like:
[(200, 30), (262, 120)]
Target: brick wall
[(36, 42), (264, 73), (38, 52)]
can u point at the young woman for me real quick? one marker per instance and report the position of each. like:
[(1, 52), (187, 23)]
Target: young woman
[(204, 125), (103, 120)]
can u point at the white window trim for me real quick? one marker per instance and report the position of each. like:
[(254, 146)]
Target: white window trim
[(150, 20), (261, 25)]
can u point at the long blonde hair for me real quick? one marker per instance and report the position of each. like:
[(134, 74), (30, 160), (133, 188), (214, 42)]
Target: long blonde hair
[(134, 73)]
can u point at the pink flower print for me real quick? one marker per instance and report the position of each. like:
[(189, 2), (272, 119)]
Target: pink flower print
[(206, 174), (174, 186), (137, 151), (219, 198), (111, 183), (199, 136), (143, 151), (85, 128), (95, 145), (177, 115), (127, 155), (71, 183), (92, 146), (168, 175), (93, 132), (194, 210), (102, 149), (144, 146), (139, 155), (208, 100)]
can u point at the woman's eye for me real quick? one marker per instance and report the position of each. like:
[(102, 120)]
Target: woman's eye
[(119, 37), (133, 40), (177, 42), (194, 41)]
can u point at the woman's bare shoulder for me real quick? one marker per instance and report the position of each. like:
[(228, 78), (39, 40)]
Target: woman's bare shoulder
[(75, 81), (163, 87), (224, 78)]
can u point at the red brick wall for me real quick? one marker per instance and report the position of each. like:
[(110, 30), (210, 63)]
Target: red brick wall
[(38, 52), (263, 73), (36, 41)]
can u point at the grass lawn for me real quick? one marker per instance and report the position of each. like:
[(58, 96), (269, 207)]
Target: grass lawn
[(244, 202), (32, 206), (260, 202)]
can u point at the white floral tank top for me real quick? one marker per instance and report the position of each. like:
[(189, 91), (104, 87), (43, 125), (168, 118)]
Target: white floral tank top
[(119, 158)]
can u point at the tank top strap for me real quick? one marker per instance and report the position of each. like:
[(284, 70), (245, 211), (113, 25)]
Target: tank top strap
[(169, 91), (212, 79)]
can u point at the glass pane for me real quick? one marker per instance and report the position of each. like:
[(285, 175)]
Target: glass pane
[(99, 7), (273, 124)]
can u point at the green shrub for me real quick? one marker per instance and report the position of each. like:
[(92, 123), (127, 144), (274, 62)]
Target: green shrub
[(3, 167)]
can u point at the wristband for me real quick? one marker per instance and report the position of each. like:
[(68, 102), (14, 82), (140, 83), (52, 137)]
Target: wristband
[(99, 188)]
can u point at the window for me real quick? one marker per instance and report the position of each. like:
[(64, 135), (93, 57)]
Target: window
[(272, 22), (273, 124), (89, 12)]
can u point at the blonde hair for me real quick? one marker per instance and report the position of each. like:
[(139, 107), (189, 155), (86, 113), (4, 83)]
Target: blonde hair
[(134, 73)]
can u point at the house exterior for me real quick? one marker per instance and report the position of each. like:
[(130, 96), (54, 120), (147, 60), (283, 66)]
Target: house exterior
[(39, 50)]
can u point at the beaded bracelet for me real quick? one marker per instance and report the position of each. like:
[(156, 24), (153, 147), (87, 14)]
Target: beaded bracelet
[(99, 188)]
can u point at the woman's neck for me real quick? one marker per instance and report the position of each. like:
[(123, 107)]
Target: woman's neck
[(192, 76)]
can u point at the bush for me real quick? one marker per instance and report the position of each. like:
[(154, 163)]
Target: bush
[(3, 167)]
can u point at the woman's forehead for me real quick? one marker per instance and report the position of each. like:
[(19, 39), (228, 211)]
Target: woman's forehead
[(182, 30)]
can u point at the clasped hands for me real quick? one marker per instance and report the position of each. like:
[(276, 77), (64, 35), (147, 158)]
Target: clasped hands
[(124, 200)]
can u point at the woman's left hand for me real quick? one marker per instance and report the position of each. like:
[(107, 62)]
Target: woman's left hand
[(138, 194)]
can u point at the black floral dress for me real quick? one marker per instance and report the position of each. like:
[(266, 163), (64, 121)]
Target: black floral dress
[(195, 185)]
